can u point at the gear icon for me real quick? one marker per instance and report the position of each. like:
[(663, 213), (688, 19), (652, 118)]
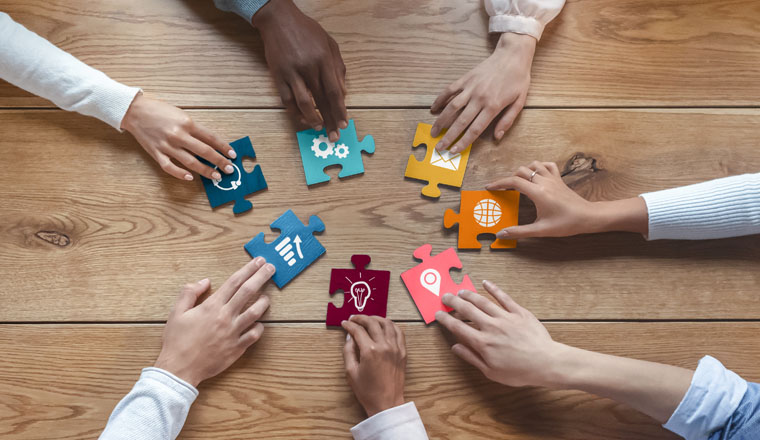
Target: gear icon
[(341, 151), (317, 143)]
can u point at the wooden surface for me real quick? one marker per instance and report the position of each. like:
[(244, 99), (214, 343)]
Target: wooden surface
[(95, 240)]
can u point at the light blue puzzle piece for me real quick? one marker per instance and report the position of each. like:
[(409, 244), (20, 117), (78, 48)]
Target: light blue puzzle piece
[(293, 251), (317, 152)]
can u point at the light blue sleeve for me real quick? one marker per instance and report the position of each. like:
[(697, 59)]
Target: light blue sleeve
[(243, 8), (744, 423), (712, 398)]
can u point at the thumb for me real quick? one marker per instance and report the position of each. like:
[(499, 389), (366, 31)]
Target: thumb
[(190, 294), (535, 229)]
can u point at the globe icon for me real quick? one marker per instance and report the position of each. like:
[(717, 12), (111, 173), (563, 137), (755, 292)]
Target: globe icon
[(487, 212)]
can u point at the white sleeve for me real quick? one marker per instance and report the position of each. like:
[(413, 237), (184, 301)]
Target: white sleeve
[(156, 408), (34, 64), (727, 207), (400, 422), (522, 16), (712, 398)]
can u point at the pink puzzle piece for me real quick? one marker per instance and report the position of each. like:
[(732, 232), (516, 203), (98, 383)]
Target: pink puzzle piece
[(365, 292), (430, 280)]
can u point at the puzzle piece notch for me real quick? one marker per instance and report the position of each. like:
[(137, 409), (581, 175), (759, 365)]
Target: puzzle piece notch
[(293, 251), (365, 292), (448, 169), (430, 280), (318, 153), (484, 212), (237, 185)]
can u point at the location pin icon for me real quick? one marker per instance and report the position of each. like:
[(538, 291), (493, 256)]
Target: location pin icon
[(431, 280)]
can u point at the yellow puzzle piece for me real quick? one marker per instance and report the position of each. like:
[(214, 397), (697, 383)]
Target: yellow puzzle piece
[(438, 168)]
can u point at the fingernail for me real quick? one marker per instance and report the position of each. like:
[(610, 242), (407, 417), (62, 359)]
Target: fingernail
[(188, 177), (499, 135), (318, 127), (334, 136), (487, 283), (203, 281), (259, 261), (466, 292), (446, 297), (231, 154), (348, 336), (438, 145), (216, 175), (502, 234), (269, 268), (228, 169), (343, 124), (438, 315)]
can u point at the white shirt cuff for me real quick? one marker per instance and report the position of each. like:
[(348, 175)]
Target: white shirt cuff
[(516, 24), (400, 422), (712, 398)]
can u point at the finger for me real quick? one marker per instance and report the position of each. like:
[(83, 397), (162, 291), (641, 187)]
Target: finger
[(340, 65), (526, 173), (200, 149), (450, 112), (350, 354), (252, 336), (252, 313), (237, 279), (189, 295), (210, 138), (170, 168), (539, 168), (516, 183), (339, 74), (287, 98), (250, 288), (466, 309), (305, 103), (373, 324), (191, 162), (314, 82), (535, 229), (400, 340), (553, 168), (508, 118), (390, 330), (358, 334), (457, 128), (334, 98), (463, 332), (505, 300), (469, 356), (475, 129), (448, 93), (482, 303)]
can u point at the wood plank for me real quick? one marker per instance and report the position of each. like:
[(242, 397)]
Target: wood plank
[(131, 236), (597, 53), (62, 381)]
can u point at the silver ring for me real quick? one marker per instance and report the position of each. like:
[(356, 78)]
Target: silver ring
[(533, 175)]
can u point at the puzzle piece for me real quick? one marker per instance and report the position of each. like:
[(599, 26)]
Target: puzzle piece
[(238, 184), (294, 250), (365, 292), (317, 152), (482, 212), (438, 168), (430, 280)]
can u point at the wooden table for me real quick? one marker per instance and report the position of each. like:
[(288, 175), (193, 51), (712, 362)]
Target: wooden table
[(627, 97)]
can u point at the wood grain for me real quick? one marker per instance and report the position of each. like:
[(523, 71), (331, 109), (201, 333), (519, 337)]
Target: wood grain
[(92, 230), (596, 53), (62, 381)]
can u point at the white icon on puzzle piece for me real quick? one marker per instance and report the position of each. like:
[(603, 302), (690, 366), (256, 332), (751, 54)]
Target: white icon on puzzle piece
[(360, 292), (487, 213), (285, 249), (431, 280), (444, 159), (234, 184), (341, 150)]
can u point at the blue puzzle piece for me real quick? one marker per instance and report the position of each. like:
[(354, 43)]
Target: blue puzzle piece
[(238, 184), (317, 152), (295, 248)]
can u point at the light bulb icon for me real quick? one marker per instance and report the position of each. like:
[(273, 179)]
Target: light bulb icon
[(360, 292)]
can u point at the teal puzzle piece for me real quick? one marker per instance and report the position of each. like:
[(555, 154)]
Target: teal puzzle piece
[(317, 152), (238, 184)]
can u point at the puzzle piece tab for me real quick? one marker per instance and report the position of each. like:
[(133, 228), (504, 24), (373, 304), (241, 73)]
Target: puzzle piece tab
[(430, 280), (438, 168), (294, 250), (238, 184), (365, 292), (317, 153), (482, 212)]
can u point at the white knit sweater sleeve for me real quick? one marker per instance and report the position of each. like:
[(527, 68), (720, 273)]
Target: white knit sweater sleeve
[(522, 16), (34, 64), (400, 422), (727, 207), (155, 409)]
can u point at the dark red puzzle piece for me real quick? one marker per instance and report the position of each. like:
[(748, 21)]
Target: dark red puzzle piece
[(365, 292)]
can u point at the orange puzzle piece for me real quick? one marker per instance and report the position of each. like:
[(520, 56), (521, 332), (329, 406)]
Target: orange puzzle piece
[(484, 212), (438, 168)]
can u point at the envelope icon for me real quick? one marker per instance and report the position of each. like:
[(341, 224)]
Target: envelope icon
[(446, 160)]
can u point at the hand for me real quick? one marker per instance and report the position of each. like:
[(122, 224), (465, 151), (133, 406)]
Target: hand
[(306, 65), (560, 212), (201, 341), (168, 134), (500, 82), (375, 358), (508, 344)]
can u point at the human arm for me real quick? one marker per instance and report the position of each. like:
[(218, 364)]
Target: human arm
[(497, 88), (199, 342), (375, 359), (32, 63), (719, 208)]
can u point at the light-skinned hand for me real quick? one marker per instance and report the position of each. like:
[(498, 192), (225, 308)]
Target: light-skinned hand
[(375, 359), (169, 135), (200, 341)]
